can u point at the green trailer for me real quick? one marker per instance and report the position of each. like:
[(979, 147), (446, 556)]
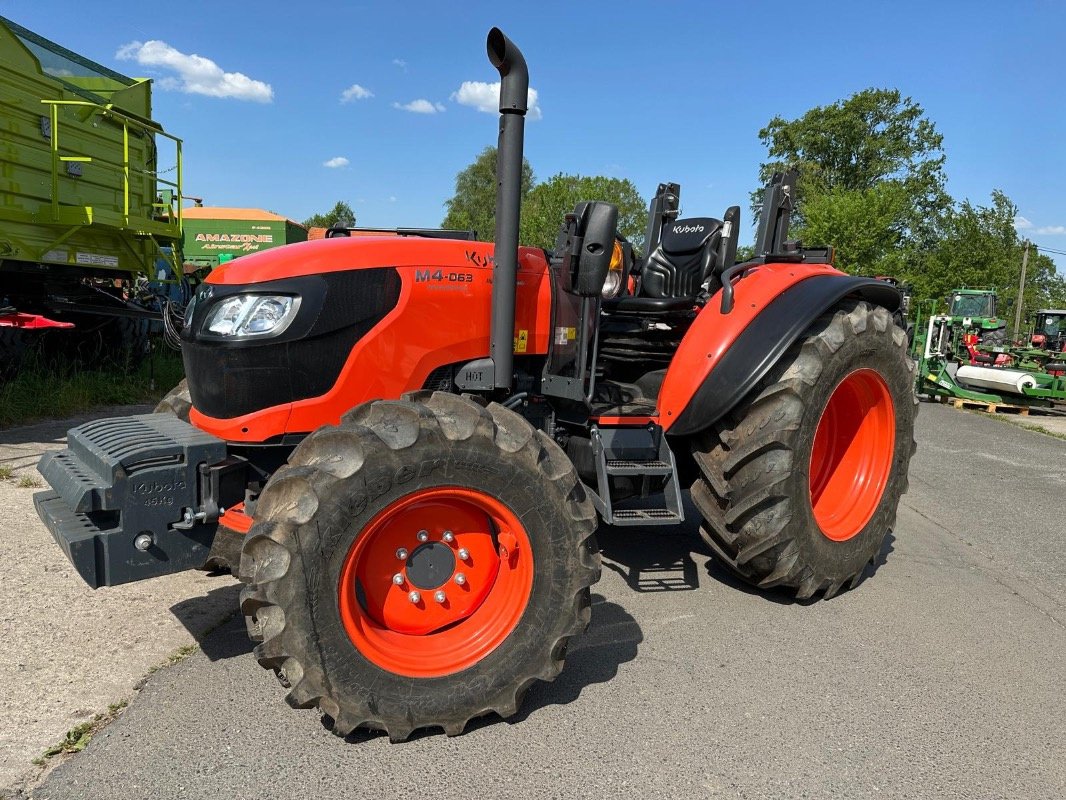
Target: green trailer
[(90, 191)]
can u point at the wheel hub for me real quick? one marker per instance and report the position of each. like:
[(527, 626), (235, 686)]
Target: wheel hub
[(435, 581), (431, 565)]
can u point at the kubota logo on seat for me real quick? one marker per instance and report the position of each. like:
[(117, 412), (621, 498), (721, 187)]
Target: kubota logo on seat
[(687, 229)]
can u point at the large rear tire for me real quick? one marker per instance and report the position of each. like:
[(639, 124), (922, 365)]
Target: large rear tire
[(177, 401), (799, 485), (421, 564)]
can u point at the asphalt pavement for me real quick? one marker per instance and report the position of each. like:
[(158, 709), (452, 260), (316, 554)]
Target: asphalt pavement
[(941, 676)]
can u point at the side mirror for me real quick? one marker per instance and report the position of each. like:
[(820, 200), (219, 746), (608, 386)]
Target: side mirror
[(591, 233)]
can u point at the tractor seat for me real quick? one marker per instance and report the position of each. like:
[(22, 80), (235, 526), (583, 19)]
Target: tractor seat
[(682, 259), (675, 269)]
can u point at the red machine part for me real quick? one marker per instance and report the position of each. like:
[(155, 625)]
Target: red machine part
[(458, 614), (436, 322), (851, 459), (16, 319), (977, 358), (712, 333)]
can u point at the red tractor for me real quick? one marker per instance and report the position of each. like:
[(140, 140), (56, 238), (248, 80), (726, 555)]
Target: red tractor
[(404, 446)]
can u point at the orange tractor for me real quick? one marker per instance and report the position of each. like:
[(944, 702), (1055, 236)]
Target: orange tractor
[(404, 446)]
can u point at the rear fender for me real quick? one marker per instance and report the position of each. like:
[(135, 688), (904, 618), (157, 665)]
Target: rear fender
[(723, 356)]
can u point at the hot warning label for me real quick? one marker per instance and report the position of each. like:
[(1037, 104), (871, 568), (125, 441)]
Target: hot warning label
[(521, 342)]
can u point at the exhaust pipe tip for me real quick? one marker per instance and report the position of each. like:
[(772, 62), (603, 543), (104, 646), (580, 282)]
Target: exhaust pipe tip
[(505, 56)]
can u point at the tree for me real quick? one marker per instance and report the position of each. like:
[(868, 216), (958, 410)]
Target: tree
[(871, 179), (340, 214), (979, 248), (549, 202), (473, 206)]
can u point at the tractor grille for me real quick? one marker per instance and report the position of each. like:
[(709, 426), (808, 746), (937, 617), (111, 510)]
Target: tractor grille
[(232, 379)]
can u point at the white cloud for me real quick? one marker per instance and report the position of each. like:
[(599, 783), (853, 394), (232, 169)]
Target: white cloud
[(355, 92), (336, 162), (195, 74), (399, 62), (392, 198), (1022, 224), (486, 97), (420, 106)]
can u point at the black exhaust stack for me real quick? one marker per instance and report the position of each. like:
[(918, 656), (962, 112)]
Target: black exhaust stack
[(514, 93)]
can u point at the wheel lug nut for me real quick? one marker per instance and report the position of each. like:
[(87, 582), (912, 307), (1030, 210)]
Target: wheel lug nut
[(448, 537), (423, 536), (414, 597), (402, 553), (440, 596), (464, 554), (397, 579), (460, 578)]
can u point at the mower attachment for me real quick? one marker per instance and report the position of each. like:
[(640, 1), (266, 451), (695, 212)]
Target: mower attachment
[(127, 500)]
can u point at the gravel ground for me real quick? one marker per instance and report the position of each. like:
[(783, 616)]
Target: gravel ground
[(940, 677)]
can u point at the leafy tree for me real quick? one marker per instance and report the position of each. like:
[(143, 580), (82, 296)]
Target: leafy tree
[(340, 214), (549, 202), (871, 180), (473, 206), (979, 248)]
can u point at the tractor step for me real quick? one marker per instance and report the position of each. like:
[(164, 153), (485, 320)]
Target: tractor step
[(625, 467), (641, 453), (646, 516)]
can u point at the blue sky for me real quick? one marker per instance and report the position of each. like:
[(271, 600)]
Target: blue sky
[(646, 91)]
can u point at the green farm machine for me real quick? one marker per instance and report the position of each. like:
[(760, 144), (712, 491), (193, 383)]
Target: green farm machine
[(91, 203), (966, 356), (975, 309)]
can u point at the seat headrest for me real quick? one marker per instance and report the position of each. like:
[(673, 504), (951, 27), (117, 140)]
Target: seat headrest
[(682, 236)]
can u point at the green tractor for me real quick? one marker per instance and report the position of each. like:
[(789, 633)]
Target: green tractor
[(975, 309)]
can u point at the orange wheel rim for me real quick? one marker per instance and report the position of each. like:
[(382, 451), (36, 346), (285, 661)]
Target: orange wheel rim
[(852, 454), (435, 582)]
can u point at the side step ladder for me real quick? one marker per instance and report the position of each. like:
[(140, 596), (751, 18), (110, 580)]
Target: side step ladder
[(636, 452)]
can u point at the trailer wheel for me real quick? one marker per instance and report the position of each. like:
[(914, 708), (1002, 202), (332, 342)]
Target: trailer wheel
[(103, 342), (421, 564), (177, 401), (12, 351), (800, 483)]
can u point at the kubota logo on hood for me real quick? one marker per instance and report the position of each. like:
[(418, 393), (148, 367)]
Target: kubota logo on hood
[(688, 229)]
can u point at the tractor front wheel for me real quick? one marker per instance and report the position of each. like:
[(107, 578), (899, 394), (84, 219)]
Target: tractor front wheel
[(800, 483), (421, 564)]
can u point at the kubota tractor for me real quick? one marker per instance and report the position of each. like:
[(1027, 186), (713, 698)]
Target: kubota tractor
[(404, 446)]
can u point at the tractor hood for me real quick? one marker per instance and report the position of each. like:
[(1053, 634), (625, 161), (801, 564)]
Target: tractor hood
[(340, 254)]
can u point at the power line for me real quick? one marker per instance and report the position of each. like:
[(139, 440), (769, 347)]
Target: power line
[(1049, 250)]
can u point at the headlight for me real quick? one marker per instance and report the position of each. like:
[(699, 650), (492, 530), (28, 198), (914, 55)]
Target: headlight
[(245, 316), (612, 287)]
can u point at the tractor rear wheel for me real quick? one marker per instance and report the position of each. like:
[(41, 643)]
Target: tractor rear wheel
[(799, 485), (177, 401), (421, 564)]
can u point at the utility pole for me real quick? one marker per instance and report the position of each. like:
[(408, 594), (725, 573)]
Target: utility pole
[(1021, 292)]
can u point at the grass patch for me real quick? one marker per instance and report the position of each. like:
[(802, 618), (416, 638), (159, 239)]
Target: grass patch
[(28, 482), (78, 737), (1040, 429), (63, 388), (1028, 426), (180, 654), (6, 473)]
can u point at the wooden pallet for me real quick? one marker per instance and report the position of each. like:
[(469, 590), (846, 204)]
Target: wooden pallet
[(991, 408)]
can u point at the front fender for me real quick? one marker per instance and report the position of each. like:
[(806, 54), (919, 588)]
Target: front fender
[(723, 356)]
